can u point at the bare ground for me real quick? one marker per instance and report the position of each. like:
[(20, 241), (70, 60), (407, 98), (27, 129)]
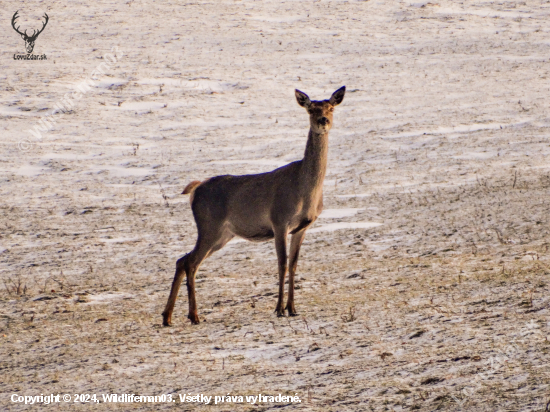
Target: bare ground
[(442, 138)]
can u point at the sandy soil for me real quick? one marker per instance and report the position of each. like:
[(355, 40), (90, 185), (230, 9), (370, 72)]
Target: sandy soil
[(442, 140)]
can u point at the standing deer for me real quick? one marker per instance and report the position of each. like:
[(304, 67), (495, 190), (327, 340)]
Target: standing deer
[(29, 40), (260, 207)]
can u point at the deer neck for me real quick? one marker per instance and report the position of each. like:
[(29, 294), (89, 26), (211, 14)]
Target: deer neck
[(314, 164)]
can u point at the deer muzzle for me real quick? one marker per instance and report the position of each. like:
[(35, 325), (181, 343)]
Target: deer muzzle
[(323, 121)]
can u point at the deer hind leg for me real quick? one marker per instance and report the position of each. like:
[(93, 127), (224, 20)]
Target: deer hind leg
[(195, 259), (295, 243), (280, 247), (190, 264), (181, 267), (205, 247)]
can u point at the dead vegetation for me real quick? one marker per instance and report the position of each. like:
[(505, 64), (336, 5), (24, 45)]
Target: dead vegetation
[(430, 322), (444, 306)]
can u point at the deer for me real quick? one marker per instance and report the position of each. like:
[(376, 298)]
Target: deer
[(260, 207), (29, 40)]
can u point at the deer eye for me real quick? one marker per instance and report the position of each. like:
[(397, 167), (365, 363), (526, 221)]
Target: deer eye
[(331, 109)]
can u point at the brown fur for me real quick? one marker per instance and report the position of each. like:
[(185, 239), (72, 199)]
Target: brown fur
[(190, 189), (285, 201)]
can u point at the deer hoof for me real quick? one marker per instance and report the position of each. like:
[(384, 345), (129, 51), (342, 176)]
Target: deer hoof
[(291, 312), (166, 321), (194, 319)]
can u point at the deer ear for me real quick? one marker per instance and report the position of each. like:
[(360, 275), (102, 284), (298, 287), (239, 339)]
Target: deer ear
[(338, 96), (303, 99)]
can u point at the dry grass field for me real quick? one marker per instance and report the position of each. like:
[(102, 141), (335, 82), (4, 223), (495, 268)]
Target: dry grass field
[(442, 140)]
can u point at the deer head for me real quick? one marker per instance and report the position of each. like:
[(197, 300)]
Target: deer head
[(29, 40), (320, 112)]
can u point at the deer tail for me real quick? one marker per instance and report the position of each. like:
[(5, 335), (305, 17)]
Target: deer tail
[(190, 188)]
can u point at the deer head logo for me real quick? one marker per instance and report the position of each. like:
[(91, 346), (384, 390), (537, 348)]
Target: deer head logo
[(29, 40)]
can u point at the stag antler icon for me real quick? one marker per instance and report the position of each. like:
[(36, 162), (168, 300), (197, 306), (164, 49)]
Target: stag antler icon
[(29, 40)]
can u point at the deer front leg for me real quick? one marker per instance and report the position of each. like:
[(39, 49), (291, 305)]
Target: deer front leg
[(295, 244), (280, 247)]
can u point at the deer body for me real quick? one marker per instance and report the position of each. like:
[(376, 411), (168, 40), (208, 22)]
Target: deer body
[(261, 207)]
